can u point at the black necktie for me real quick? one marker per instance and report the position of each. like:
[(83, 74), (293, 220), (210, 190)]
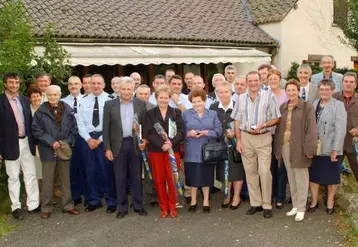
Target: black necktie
[(75, 105), (95, 119)]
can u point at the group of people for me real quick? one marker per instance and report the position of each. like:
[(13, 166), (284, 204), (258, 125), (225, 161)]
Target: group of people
[(96, 146)]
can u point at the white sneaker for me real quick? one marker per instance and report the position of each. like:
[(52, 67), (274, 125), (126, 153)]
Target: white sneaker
[(300, 216), (293, 212), (179, 205)]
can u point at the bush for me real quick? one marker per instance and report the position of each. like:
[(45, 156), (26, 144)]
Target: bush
[(292, 73)]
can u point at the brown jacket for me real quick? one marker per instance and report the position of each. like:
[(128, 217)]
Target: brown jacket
[(303, 138), (352, 119)]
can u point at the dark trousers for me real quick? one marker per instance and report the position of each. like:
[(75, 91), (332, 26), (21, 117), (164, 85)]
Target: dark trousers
[(98, 174), (77, 173), (127, 160), (353, 163), (279, 179), (244, 189)]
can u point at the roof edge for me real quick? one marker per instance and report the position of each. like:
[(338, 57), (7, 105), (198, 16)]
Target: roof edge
[(164, 42)]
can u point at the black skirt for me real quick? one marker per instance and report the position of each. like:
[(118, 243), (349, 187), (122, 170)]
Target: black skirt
[(199, 174), (325, 172), (236, 170)]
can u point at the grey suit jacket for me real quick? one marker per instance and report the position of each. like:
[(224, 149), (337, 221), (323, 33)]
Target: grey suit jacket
[(313, 93), (336, 77), (331, 126), (112, 124)]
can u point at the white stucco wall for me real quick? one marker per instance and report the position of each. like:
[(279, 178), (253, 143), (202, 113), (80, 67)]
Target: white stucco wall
[(309, 30)]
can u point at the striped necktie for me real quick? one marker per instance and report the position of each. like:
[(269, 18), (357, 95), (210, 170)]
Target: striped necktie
[(304, 94)]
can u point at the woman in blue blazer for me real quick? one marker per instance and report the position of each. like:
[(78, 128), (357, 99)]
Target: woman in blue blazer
[(200, 125)]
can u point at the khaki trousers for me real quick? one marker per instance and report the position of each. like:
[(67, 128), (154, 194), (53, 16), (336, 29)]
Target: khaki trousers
[(257, 163), (48, 183), (298, 179)]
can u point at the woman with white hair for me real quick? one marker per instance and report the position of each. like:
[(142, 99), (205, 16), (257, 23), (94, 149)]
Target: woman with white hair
[(54, 126)]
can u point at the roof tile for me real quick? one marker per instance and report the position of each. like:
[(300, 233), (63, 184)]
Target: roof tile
[(195, 21)]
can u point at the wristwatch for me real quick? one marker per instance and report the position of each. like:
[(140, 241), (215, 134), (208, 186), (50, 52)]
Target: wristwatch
[(179, 102)]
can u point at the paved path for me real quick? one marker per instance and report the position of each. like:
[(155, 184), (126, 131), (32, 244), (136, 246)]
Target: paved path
[(220, 228)]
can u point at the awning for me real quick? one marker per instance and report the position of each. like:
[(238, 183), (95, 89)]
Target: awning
[(104, 54)]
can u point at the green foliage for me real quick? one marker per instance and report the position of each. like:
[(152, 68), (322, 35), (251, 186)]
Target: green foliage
[(292, 73), (55, 59), (349, 23), (17, 48), (17, 40)]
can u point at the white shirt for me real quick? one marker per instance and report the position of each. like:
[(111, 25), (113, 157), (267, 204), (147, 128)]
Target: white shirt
[(230, 106)]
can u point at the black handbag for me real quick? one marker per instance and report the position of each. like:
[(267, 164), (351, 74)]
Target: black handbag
[(214, 151), (236, 156)]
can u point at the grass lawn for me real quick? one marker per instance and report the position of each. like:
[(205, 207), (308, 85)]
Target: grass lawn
[(342, 220)]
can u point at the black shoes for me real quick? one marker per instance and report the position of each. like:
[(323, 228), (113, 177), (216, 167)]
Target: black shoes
[(280, 206), (91, 208), (154, 204), (330, 210), (267, 213), (312, 209), (17, 214), (141, 212), (254, 210), (206, 209), (111, 209), (192, 209), (77, 202), (121, 215), (225, 205), (188, 199), (232, 207), (36, 210)]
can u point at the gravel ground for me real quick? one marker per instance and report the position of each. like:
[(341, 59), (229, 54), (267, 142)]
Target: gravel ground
[(222, 227)]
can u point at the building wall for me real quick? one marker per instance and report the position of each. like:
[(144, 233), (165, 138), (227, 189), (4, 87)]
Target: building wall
[(309, 29)]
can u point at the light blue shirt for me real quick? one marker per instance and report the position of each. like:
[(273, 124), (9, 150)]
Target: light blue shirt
[(152, 99), (184, 101), (85, 115), (208, 102), (127, 115), (70, 100)]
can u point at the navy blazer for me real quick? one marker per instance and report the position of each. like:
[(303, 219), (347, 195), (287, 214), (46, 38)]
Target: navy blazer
[(209, 121), (9, 133)]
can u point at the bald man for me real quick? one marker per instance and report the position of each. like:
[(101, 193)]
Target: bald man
[(114, 86), (137, 79), (198, 83), (188, 78)]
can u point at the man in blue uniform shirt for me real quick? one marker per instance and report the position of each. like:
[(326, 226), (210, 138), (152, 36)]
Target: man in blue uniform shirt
[(78, 182), (98, 170)]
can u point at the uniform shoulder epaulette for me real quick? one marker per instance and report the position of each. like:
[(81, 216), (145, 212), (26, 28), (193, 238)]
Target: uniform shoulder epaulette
[(84, 96), (111, 96)]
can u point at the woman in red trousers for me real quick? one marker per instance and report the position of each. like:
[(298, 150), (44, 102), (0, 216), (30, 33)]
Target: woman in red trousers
[(158, 148)]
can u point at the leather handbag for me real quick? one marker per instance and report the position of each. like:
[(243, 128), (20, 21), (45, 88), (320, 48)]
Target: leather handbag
[(214, 151), (236, 155)]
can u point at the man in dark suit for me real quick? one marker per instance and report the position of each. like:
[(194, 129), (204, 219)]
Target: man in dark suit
[(350, 100), (17, 145), (121, 145)]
